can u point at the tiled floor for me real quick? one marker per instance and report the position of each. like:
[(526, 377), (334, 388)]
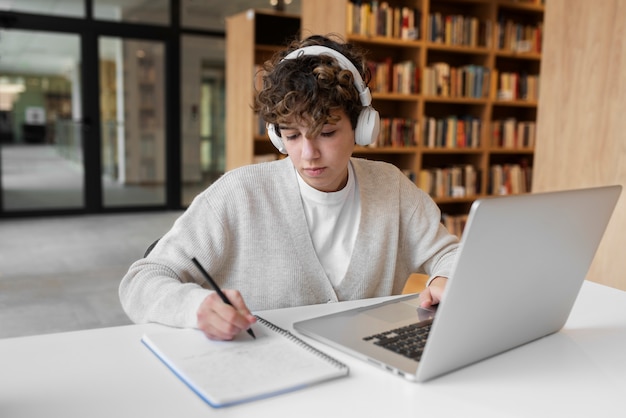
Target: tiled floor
[(61, 274)]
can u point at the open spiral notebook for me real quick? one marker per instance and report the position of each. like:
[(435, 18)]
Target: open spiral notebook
[(225, 373)]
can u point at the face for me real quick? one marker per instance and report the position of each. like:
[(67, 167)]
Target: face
[(321, 161)]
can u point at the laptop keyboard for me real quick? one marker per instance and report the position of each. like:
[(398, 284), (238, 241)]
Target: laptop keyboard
[(408, 341)]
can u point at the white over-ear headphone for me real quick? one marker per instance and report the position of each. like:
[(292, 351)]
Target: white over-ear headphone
[(368, 123)]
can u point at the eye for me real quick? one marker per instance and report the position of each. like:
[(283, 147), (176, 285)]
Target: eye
[(328, 134), (288, 133), (290, 136)]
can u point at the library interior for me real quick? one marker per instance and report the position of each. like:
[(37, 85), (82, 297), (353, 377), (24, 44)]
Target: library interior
[(115, 114)]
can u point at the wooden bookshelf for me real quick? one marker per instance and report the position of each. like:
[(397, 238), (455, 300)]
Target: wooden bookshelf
[(476, 41), (252, 37)]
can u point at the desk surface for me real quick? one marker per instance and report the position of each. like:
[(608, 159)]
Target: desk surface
[(580, 371)]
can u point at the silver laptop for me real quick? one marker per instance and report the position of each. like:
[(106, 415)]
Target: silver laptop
[(522, 262)]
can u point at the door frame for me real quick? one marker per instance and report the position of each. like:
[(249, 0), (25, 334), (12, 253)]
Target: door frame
[(89, 30)]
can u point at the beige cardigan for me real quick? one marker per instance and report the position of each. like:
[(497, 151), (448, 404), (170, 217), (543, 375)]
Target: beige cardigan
[(249, 231)]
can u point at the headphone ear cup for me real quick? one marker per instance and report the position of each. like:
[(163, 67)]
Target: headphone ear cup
[(367, 127), (276, 140)]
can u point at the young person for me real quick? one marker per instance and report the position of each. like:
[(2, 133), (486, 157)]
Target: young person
[(317, 226)]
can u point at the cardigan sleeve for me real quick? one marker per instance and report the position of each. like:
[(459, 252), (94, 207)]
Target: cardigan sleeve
[(164, 286), (432, 247)]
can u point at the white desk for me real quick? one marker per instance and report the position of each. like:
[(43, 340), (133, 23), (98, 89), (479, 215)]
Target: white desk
[(580, 371)]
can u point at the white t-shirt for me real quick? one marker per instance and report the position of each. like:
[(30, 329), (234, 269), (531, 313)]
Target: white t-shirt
[(333, 220)]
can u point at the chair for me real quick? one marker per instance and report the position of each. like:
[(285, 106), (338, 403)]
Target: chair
[(150, 247)]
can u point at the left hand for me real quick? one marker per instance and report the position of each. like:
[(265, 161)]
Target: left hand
[(433, 293)]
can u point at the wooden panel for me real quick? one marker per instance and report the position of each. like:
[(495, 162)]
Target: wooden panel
[(581, 123), (323, 18), (252, 37), (239, 66)]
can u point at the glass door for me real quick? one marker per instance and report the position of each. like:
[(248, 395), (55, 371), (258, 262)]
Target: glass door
[(202, 81), (133, 122), (41, 134)]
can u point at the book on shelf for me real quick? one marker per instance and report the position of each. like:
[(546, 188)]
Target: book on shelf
[(436, 79), (506, 179), (518, 86), (452, 132), (455, 224), (374, 18), (518, 37), (397, 132), (459, 30), (405, 76), (225, 373), (410, 174), (510, 133), (455, 181), (389, 77), (468, 81)]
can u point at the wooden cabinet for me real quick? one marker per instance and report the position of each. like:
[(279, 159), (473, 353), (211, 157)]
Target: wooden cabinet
[(252, 37), (456, 85)]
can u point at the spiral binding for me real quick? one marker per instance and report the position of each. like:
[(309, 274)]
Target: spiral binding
[(301, 342)]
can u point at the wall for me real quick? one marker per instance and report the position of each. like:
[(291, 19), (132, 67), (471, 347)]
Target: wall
[(38, 92), (581, 121), (30, 97)]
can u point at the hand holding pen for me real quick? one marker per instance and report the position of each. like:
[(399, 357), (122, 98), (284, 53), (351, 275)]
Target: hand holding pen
[(226, 319)]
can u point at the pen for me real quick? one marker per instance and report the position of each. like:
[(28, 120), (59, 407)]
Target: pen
[(217, 289)]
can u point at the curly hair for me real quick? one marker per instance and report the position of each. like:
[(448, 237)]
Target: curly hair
[(308, 89)]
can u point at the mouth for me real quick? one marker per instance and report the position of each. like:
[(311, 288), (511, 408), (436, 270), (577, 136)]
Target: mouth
[(314, 171)]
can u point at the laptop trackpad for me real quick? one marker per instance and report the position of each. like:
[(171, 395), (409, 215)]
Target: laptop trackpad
[(393, 312)]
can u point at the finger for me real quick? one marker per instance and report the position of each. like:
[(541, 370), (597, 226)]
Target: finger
[(216, 334), (212, 320), (425, 298), (222, 321), (239, 304)]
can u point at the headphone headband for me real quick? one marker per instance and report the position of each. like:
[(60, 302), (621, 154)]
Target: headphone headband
[(368, 123), (364, 92)]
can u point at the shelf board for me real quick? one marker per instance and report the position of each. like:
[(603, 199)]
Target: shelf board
[(457, 100), (448, 200), (385, 41), (531, 56), (494, 150), (396, 96), (515, 103), (437, 46), (384, 150), (458, 150), (520, 5)]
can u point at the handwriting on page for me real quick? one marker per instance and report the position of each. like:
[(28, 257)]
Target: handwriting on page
[(236, 366)]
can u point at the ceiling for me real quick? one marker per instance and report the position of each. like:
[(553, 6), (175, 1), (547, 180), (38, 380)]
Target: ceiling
[(29, 52)]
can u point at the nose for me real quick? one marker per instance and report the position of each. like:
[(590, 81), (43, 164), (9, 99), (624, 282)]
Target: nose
[(309, 149)]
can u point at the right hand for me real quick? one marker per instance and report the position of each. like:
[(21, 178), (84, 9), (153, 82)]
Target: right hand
[(221, 321)]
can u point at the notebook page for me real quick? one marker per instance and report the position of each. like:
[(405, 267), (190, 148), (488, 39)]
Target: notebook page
[(227, 372)]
